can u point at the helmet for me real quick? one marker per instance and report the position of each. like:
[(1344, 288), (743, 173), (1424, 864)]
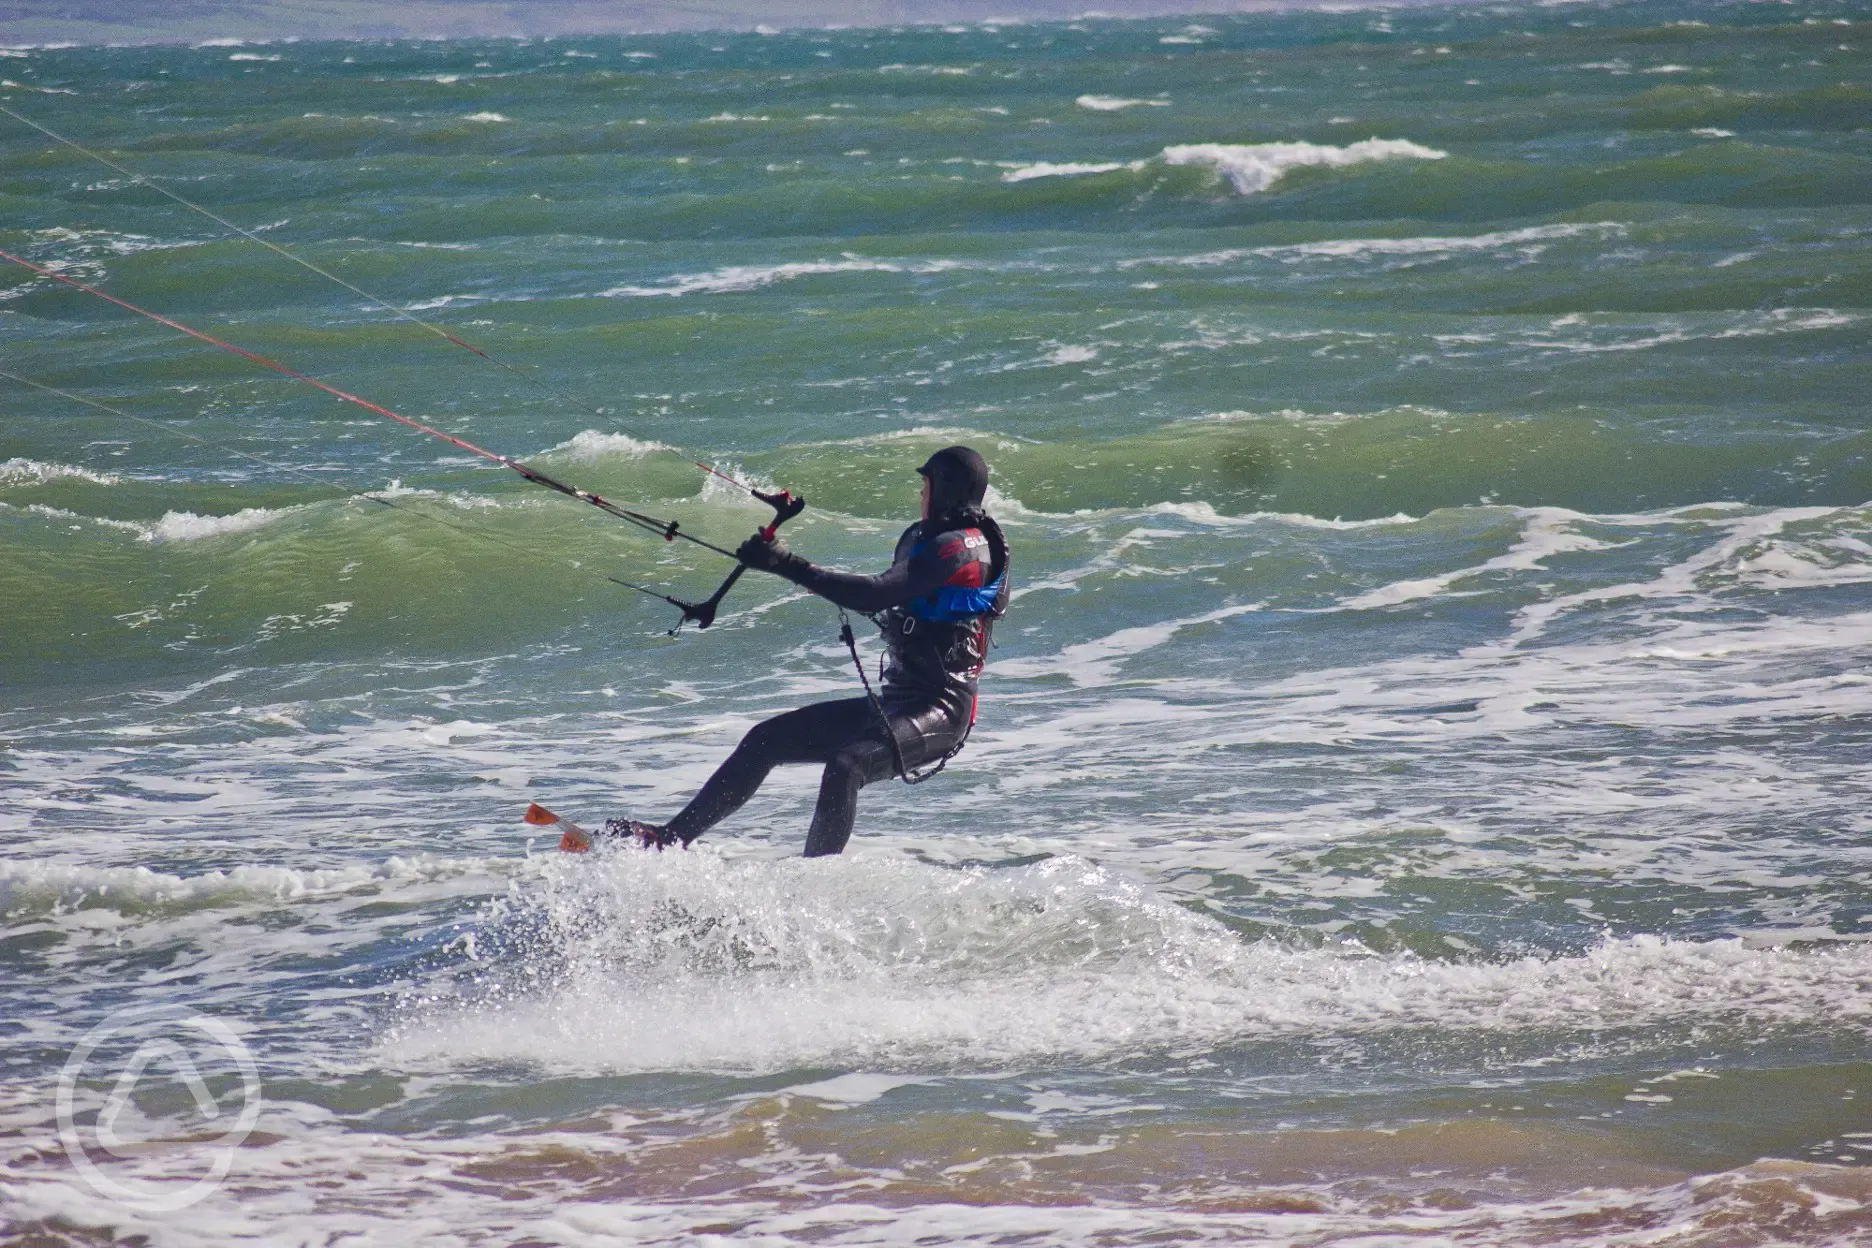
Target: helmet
[(958, 479)]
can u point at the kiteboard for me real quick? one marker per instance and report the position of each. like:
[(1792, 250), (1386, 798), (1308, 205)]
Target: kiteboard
[(572, 838)]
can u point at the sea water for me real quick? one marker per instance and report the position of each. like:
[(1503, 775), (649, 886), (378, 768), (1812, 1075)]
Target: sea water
[(1421, 787)]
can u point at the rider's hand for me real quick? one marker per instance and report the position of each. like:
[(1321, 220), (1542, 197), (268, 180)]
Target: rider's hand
[(769, 555)]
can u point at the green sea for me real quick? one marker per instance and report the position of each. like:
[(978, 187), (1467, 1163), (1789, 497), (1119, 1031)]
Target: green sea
[(1421, 790)]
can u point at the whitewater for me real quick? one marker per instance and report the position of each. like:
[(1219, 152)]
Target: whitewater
[(1419, 793)]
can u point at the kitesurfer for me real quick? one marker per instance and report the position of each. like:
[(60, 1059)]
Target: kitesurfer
[(936, 606)]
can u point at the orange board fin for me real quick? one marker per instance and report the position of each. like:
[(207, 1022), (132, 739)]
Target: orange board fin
[(572, 838)]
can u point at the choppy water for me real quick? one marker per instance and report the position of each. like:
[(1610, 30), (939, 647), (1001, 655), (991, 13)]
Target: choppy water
[(1421, 792)]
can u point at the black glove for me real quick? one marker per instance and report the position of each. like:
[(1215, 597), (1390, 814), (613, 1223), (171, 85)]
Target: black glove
[(768, 555)]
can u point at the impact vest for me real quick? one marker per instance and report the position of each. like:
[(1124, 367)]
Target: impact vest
[(953, 603), (940, 640)]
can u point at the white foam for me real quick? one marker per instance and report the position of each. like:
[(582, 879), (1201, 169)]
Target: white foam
[(27, 86), (753, 277), (111, 242), (749, 277), (1199, 513), (1116, 103), (20, 471), (727, 486), (591, 446), (857, 1088), (77, 519), (447, 734), (1677, 581), (300, 1180), (1068, 169), (440, 301), (1805, 565), (325, 615), (1093, 663), (1667, 664), (696, 962), (1254, 167), (486, 117), (1526, 239), (1614, 334), (32, 886), (1547, 531), (186, 526), (1661, 649), (1475, 242), (176, 526)]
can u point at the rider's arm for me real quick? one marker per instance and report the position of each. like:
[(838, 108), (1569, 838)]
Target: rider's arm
[(912, 576)]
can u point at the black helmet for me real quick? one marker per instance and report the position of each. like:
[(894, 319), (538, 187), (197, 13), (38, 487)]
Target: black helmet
[(958, 480)]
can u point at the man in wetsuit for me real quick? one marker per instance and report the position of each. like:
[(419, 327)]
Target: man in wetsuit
[(936, 606)]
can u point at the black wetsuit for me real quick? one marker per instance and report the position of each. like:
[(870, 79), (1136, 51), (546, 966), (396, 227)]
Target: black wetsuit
[(928, 687)]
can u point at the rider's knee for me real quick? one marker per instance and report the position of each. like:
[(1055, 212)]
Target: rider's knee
[(849, 766), (760, 740)]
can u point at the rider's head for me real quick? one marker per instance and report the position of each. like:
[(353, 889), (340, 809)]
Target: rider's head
[(957, 480)]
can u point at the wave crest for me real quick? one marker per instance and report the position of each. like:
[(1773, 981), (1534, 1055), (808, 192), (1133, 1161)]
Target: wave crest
[(20, 471), (186, 526), (1254, 167), (590, 446)]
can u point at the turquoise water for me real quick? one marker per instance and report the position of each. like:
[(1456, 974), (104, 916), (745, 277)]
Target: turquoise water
[(1420, 792)]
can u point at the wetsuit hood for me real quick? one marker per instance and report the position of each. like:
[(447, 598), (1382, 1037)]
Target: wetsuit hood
[(958, 480)]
